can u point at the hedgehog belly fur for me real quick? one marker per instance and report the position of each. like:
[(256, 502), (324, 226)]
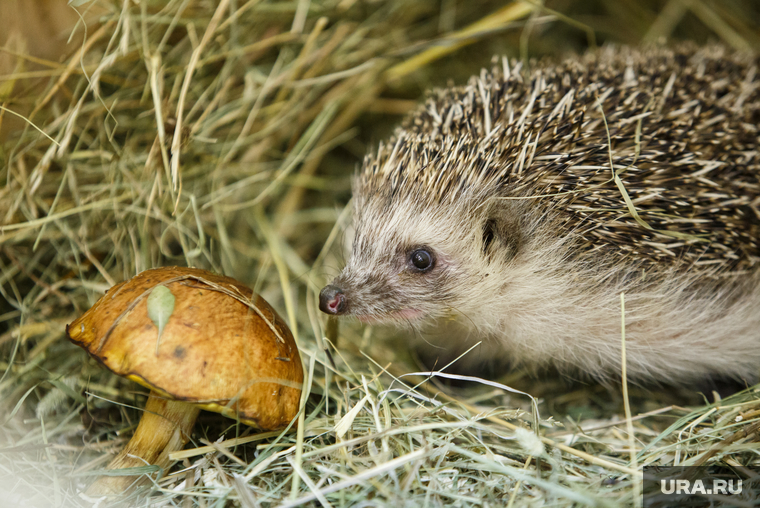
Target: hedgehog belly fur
[(522, 205)]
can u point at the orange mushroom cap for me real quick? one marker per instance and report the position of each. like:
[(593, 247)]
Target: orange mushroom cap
[(222, 347)]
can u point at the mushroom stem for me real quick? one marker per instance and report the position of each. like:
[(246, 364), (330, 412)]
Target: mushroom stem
[(165, 427)]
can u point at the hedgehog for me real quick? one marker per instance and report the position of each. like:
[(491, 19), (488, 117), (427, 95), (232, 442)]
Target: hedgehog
[(515, 211)]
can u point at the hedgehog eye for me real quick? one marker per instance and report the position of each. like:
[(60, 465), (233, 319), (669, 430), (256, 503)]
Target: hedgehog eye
[(422, 260)]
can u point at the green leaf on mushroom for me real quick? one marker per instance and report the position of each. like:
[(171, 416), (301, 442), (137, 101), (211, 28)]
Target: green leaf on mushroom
[(160, 308)]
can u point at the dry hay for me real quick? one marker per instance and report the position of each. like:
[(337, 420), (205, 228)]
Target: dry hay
[(221, 135)]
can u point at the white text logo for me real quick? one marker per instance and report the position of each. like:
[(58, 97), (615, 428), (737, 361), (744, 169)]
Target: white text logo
[(698, 487)]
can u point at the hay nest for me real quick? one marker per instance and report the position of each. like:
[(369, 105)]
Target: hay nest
[(222, 135)]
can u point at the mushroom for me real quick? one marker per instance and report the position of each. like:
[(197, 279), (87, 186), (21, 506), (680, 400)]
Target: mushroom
[(197, 340)]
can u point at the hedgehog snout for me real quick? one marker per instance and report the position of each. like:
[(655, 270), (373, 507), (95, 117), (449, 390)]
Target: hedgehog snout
[(332, 300)]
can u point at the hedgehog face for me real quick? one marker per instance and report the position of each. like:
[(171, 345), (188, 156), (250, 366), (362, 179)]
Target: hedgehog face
[(408, 263)]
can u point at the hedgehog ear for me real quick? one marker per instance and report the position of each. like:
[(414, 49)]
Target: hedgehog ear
[(489, 235), (501, 234)]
